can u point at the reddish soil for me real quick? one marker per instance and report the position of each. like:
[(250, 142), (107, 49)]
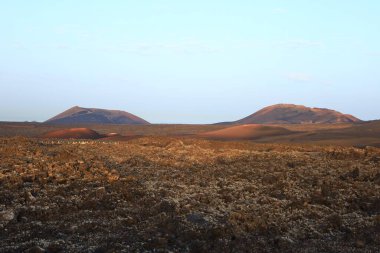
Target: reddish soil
[(246, 132)]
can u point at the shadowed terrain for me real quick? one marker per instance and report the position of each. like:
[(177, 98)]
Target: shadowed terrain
[(348, 134), (366, 133)]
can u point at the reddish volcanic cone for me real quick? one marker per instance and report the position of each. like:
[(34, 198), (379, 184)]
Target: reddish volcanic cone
[(80, 115), (296, 114), (73, 133), (246, 132)]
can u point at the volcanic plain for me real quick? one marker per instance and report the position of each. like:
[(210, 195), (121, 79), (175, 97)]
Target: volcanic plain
[(190, 188)]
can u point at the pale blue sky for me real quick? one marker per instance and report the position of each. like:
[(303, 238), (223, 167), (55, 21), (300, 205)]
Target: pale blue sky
[(188, 61)]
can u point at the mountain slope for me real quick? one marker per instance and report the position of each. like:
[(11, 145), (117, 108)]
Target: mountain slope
[(296, 114), (80, 115)]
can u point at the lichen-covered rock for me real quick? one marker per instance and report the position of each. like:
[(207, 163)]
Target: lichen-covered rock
[(6, 216)]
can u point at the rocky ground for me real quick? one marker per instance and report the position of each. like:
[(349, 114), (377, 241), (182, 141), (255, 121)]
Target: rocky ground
[(161, 194)]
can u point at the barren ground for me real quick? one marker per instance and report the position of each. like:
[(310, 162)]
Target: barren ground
[(161, 194)]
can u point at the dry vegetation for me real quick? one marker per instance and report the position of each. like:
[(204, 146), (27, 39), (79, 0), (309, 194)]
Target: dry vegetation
[(161, 194)]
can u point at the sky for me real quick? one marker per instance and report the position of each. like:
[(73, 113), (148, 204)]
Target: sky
[(171, 61)]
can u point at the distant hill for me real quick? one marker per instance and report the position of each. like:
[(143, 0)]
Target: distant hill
[(85, 133), (73, 133), (80, 115), (295, 114)]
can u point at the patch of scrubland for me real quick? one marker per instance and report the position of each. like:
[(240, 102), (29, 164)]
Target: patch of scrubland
[(160, 194)]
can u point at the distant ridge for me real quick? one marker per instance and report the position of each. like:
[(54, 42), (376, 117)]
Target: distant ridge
[(295, 114), (80, 115)]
